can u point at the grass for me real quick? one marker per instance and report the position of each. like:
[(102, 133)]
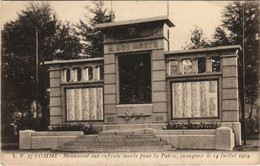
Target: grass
[(252, 144)]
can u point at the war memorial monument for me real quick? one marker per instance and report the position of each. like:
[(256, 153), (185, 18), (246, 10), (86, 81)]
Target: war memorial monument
[(138, 88)]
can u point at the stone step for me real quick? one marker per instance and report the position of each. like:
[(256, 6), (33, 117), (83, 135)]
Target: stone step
[(93, 137), (129, 139), (126, 136), (134, 139), (89, 137), (141, 136), (116, 143), (111, 136), (116, 133), (157, 148)]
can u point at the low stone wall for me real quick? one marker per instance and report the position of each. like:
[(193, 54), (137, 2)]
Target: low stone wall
[(221, 138), (30, 139)]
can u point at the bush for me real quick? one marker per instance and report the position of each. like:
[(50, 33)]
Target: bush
[(29, 124), (252, 126), (180, 126), (68, 127)]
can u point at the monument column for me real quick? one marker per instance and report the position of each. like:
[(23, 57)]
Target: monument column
[(159, 93), (109, 88), (230, 96)]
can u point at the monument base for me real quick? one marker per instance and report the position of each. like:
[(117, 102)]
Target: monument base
[(158, 126), (236, 126)]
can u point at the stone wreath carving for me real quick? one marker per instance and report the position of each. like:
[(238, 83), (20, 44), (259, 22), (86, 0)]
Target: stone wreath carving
[(127, 116)]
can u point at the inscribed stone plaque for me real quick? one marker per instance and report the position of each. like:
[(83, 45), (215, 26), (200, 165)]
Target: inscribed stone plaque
[(196, 99), (133, 46), (84, 104)]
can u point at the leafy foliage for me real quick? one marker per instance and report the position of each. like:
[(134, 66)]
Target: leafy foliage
[(92, 37), (230, 33), (198, 39), (252, 126), (180, 126), (79, 127), (232, 23), (135, 80), (220, 38), (56, 41)]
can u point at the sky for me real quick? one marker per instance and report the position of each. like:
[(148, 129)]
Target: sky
[(184, 14)]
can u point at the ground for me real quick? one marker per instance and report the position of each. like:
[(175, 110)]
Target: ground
[(180, 157), (245, 155), (252, 144)]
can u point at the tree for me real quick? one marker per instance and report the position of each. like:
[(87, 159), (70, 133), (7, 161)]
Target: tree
[(93, 38), (220, 38), (197, 40), (232, 24), (230, 33), (66, 42), (56, 41)]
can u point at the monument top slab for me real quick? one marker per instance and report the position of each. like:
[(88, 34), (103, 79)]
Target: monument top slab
[(164, 19), (205, 50)]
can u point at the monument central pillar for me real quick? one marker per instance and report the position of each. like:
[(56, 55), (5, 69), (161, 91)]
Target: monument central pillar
[(135, 71)]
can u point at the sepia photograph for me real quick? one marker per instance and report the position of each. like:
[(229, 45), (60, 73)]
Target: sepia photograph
[(130, 82)]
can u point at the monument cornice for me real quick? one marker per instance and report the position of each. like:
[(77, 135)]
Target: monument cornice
[(135, 40), (136, 21)]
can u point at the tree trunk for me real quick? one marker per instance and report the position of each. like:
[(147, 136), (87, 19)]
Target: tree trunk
[(251, 129)]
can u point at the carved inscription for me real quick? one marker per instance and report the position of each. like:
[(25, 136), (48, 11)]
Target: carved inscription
[(135, 46), (110, 119), (158, 118)]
